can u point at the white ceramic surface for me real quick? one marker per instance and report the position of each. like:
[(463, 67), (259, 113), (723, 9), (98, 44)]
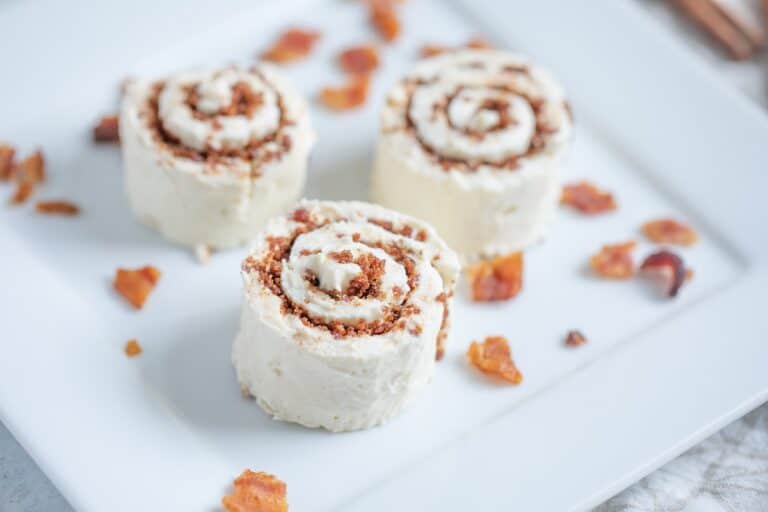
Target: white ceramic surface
[(655, 377)]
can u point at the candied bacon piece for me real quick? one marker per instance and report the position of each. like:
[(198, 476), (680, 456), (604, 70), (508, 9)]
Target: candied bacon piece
[(106, 130), (384, 18), (7, 164), (132, 348), (614, 261), (587, 198), (494, 358), (668, 267), (349, 96), (575, 338), (359, 59), (293, 44), (136, 285), (497, 279), (57, 208), (669, 231), (256, 492)]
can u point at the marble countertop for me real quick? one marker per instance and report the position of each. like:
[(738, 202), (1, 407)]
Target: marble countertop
[(727, 472)]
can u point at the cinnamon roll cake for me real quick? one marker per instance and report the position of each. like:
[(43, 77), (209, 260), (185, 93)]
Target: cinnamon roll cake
[(209, 156), (346, 308), (471, 141)]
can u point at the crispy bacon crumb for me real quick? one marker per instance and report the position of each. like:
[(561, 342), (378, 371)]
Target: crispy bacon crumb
[(106, 130), (587, 198), (575, 338), (293, 44), (668, 268), (384, 18), (346, 97), (494, 358), (669, 231), (359, 59), (497, 279), (7, 163), (136, 285), (615, 261), (29, 173), (256, 492), (132, 348), (57, 208), (24, 190)]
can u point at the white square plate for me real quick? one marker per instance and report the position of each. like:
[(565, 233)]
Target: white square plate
[(169, 430)]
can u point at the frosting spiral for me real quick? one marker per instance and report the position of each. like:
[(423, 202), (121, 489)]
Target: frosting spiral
[(346, 306), (356, 273), (210, 155), (479, 109), (231, 117)]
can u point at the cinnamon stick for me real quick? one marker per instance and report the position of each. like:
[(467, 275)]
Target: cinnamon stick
[(736, 35)]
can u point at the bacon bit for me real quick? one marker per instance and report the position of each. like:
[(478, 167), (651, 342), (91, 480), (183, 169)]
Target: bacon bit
[(668, 267), (430, 50), (301, 215), (614, 261), (575, 338), (57, 208), (256, 492), (587, 198), (24, 190), (347, 97), (494, 358), (477, 43), (359, 59), (669, 231), (106, 130), (384, 18), (293, 44), (7, 164), (497, 279), (132, 348), (136, 285)]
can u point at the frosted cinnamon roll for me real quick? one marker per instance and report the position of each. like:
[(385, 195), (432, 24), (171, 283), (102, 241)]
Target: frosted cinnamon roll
[(471, 142), (346, 306), (209, 156)]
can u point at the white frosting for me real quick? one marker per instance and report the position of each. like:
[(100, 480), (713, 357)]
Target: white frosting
[(224, 203), (303, 373), (474, 107)]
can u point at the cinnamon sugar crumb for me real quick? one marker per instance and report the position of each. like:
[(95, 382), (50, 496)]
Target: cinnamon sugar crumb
[(384, 18), (256, 492), (293, 44), (669, 231), (614, 261), (359, 59), (497, 279), (136, 285), (493, 357), (106, 130), (132, 348), (57, 208), (587, 198), (351, 95)]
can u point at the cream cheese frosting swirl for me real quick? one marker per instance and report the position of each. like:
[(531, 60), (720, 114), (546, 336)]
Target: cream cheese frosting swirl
[(346, 308), (469, 110), (210, 155)]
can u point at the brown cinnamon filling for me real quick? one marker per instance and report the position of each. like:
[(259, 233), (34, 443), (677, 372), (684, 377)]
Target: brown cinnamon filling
[(269, 270), (538, 141), (244, 102)]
